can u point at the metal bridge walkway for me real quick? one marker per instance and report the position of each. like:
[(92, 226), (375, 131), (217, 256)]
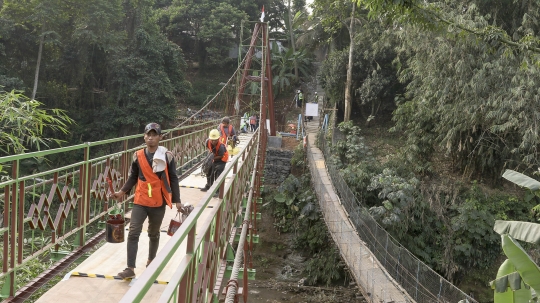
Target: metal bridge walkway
[(373, 281), (93, 280)]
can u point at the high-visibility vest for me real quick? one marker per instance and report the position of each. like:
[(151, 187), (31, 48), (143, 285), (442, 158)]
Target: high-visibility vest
[(225, 155), (223, 137), (151, 191)]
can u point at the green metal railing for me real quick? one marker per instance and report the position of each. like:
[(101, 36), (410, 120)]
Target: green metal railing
[(203, 245), (58, 210)]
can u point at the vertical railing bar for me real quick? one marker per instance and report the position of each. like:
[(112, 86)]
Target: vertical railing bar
[(417, 273), (20, 223), (13, 225), (5, 252)]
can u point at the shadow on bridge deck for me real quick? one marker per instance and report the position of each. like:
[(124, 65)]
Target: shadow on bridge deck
[(95, 280)]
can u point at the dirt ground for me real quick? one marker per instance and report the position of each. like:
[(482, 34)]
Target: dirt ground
[(280, 272), (289, 143), (280, 269)]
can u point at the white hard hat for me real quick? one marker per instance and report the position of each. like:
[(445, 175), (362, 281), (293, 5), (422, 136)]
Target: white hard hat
[(214, 134)]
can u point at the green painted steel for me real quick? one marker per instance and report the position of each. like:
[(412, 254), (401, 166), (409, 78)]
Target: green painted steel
[(54, 209), (206, 246)]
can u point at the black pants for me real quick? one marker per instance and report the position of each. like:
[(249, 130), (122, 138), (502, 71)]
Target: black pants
[(217, 169), (138, 215)]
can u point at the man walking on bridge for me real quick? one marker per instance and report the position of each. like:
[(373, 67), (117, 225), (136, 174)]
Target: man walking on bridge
[(226, 132), (221, 155), (153, 170)]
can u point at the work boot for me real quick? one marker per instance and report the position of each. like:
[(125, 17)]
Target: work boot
[(205, 188), (127, 273)]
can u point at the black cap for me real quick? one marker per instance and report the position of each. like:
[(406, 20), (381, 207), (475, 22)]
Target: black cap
[(152, 126)]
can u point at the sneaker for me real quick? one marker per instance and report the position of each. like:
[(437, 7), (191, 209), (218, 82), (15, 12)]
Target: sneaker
[(128, 273)]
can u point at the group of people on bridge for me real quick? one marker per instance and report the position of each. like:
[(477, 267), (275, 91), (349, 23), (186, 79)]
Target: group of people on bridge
[(153, 174)]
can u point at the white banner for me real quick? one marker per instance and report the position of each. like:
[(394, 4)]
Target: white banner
[(312, 109)]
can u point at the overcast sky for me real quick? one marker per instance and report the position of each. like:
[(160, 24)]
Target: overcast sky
[(308, 2)]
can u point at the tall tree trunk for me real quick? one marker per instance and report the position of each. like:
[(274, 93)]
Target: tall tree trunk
[(348, 84), (36, 77), (291, 31)]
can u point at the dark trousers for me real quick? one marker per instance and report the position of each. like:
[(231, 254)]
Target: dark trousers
[(217, 169), (138, 215)]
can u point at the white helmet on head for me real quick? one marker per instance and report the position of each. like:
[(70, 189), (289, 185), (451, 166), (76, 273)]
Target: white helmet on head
[(315, 93), (298, 91), (214, 134)]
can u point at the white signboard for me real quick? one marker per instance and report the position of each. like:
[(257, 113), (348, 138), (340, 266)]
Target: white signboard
[(312, 109)]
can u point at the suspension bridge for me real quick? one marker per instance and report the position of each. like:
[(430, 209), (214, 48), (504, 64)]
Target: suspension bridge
[(61, 213)]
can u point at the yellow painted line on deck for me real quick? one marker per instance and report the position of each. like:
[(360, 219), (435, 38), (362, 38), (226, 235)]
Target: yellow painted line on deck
[(87, 275), (320, 164)]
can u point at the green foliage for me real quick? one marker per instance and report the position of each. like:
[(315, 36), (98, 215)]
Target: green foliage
[(148, 81), (355, 160), (290, 203), (448, 225), (353, 149), (297, 211), (397, 195), (206, 30), (218, 30), (24, 121), (283, 66), (475, 245), (295, 208), (324, 267), (374, 76), (205, 85), (299, 156), (333, 74)]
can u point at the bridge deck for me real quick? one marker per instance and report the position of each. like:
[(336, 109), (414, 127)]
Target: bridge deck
[(111, 258)]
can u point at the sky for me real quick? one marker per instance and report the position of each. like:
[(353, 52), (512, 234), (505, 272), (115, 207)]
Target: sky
[(308, 8)]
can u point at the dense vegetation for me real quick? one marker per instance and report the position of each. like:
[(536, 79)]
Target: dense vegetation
[(457, 77), (459, 81), (296, 211), (114, 65)]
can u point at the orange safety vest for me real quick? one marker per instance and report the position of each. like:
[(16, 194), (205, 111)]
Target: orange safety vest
[(253, 121), (223, 137), (150, 192), (225, 155)]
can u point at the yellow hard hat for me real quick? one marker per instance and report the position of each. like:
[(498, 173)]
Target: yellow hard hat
[(214, 134)]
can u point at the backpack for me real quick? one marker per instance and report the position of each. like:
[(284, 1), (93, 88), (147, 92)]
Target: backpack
[(208, 160)]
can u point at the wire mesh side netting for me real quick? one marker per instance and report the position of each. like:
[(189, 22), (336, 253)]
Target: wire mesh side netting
[(416, 281)]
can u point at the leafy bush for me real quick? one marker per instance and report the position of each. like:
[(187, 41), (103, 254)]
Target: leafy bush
[(324, 267), (398, 195), (295, 207)]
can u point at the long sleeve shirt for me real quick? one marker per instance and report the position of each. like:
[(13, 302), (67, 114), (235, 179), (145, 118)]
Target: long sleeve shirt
[(226, 130), (220, 153), (135, 173)]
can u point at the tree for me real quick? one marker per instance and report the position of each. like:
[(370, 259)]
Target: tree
[(348, 98), (207, 29), (40, 19), (292, 39), (23, 124), (148, 81), (518, 279), (219, 33), (283, 64)]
